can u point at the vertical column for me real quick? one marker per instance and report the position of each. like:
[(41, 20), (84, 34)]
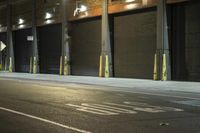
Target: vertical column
[(105, 69), (0, 57), (162, 64), (65, 57), (34, 60), (10, 38)]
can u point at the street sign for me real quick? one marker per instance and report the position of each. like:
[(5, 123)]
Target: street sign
[(3, 46)]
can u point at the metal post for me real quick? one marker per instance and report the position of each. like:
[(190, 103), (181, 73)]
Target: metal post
[(162, 67), (105, 69), (65, 57), (10, 37), (35, 55)]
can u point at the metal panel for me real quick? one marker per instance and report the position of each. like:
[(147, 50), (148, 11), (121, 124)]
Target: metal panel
[(135, 44), (86, 47), (49, 48)]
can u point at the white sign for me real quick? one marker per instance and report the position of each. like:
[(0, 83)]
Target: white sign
[(3, 46), (29, 38)]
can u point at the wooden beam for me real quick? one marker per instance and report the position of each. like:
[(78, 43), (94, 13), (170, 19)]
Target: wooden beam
[(118, 8)]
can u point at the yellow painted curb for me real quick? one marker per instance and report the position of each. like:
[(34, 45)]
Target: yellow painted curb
[(61, 65), (164, 68), (100, 67), (107, 73)]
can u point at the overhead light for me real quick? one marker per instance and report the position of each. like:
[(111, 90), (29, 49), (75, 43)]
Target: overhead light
[(131, 6), (83, 8), (127, 1), (21, 21), (49, 21), (48, 15), (21, 26), (80, 7)]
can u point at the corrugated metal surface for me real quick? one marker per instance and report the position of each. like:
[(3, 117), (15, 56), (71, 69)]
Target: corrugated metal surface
[(86, 47), (135, 44), (49, 48), (22, 50), (186, 41)]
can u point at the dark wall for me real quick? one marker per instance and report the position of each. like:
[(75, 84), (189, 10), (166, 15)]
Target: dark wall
[(22, 50), (186, 41), (50, 38), (3, 38), (135, 44), (86, 47)]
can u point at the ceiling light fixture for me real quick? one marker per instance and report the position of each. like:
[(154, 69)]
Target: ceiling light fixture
[(128, 1), (20, 21), (80, 7), (48, 15)]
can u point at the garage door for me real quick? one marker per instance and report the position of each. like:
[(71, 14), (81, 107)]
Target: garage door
[(186, 41), (86, 47), (22, 49), (135, 44), (50, 48)]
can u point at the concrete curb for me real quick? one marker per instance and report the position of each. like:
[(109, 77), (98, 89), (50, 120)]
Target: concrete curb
[(193, 87)]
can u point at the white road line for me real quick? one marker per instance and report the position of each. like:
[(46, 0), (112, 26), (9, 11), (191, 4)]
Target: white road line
[(92, 110), (96, 112), (45, 120), (157, 107), (109, 109), (116, 108), (145, 109)]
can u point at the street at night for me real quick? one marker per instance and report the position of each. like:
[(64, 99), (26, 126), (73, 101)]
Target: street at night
[(39, 107)]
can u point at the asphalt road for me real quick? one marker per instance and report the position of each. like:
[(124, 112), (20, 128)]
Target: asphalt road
[(33, 107)]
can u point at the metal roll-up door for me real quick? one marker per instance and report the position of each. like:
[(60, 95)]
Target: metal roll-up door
[(186, 41), (50, 38), (22, 49), (135, 44), (86, 47)]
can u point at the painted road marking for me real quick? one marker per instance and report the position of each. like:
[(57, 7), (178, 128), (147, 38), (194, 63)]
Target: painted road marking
[(145, 109), (107, 108), (156, 107), (110, 108), (92, 110), (44, 120)]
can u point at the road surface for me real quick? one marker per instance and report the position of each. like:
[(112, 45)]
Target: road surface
[(34, 107)]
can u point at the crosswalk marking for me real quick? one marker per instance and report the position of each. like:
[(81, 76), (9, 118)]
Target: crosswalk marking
[(156, 107), (144, 109), (92, 110), (118, 110), (122, 110), (107, 108)]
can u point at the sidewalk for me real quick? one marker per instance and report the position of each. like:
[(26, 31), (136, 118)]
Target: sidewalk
[(124, 83)]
